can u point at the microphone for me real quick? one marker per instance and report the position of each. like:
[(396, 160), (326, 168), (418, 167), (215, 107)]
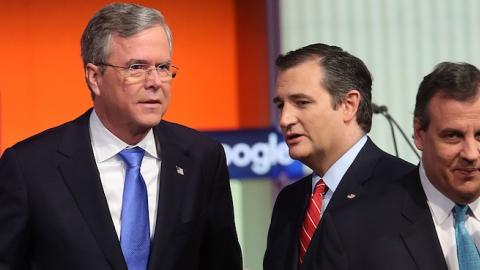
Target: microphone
[(383, 110), (379, 109)]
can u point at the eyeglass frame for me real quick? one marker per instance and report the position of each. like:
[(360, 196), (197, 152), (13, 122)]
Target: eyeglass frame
[(147, 71)]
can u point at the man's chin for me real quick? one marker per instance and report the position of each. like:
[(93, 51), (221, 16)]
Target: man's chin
[(297, 155), (150, 120), (469, 193)]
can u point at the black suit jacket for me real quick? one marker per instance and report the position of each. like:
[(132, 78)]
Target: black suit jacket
[(54, 214), (393, 230), (371, 169)]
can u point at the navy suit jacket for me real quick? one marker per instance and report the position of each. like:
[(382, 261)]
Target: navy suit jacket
[(54, 214), (371, 170), (393, 230)]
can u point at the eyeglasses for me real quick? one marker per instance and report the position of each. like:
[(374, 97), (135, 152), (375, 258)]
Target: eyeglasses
[(166, 71)]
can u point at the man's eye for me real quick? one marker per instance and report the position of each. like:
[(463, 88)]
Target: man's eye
[(302, 102), (452, 137), (138, 67), (163, 67)]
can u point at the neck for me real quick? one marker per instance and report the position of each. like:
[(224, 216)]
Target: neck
[(322, 162), (128, 133)]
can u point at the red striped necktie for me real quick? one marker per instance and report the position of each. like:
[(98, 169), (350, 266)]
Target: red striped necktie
[(312, 217)]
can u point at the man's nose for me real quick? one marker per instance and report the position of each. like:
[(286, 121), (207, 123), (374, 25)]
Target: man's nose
[(153, 79), (287, 117), (471, 149)]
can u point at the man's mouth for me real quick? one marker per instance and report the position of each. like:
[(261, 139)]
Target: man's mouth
[(150, 101), (469, 172), (293, 138), (150, 104)]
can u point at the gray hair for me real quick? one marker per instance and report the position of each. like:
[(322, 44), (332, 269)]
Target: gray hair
[(119, 18)]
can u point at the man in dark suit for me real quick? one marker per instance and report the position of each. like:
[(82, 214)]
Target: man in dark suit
[(430, 219), (119, 187), (324, 99)]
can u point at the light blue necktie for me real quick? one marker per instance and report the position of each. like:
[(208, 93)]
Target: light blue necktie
[(135, 232), (467, 253)]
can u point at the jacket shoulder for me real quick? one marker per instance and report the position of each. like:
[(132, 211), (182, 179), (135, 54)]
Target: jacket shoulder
[(184, 134), (48, 139), (393, 164), (295, 190)]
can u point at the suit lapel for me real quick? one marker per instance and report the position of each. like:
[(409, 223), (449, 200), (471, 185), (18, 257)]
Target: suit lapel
[(351, 185), (81, 175), (176, 172), (421, 238), (297, 218)]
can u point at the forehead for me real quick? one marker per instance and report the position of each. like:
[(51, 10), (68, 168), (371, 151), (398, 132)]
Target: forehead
[(146, 44), (445, 111), (304, 78)]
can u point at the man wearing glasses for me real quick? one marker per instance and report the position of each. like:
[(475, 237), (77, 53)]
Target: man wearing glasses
[(118, 187)]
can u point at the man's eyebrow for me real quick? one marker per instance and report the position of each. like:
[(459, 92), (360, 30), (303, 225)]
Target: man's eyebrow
[(299, 95), (143, 61), (291, 97), (136, 61), (451, 131)]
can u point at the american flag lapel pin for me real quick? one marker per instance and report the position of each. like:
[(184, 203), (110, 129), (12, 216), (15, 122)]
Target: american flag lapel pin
[(351, 196), (179, 170)]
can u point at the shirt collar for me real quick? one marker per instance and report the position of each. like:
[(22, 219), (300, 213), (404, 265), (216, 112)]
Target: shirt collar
[(106, 145), (475, 208), (441, 206), (335, 173)]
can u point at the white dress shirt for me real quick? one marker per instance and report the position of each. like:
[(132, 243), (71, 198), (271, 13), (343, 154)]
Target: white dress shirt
[(441, 209), (112, 169), (335, 173)]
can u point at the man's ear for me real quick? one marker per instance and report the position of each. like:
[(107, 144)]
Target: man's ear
[(418, 134), (350, 103), (92, 77)]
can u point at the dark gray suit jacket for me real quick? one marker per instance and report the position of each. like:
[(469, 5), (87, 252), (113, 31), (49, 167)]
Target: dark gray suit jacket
[(393, 230), (371, 170), (54, 214)]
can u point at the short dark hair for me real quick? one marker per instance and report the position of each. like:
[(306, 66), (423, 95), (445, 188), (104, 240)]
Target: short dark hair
[(343, 72), (460, 81)]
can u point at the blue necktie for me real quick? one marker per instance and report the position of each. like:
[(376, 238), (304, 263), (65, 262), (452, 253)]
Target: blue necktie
[(467, 253), (135, 232)]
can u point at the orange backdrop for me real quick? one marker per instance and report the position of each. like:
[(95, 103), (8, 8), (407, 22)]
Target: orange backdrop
[(219, 45)]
